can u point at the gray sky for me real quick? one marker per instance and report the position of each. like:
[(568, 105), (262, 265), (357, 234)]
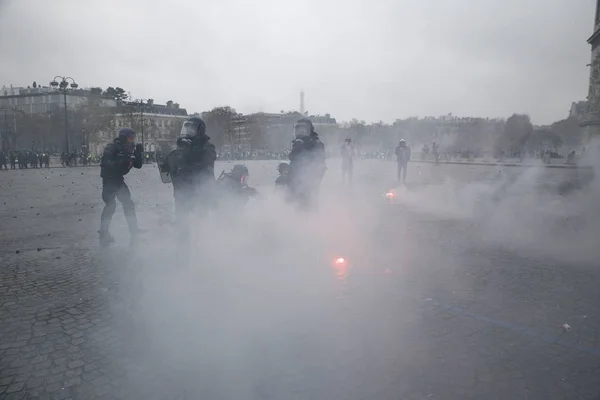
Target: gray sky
[(368, 59)]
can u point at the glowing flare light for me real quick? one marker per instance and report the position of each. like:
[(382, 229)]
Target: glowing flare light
[(340, 261), (390, 195)]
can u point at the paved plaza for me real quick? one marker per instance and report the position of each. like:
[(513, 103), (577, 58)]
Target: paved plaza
[(475, 282)]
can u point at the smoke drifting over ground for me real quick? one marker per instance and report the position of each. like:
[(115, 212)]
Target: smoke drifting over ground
[(260, 311), (259, 302), (548, 211)]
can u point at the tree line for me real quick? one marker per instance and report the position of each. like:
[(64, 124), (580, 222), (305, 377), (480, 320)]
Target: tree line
[(513, 135)]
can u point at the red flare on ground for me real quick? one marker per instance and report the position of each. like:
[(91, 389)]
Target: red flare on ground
[(340, 261), (391, 194)]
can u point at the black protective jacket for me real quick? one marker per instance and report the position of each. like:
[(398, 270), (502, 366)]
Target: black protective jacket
[(118, 158), (307, 161), (192, 162), (282, 181)]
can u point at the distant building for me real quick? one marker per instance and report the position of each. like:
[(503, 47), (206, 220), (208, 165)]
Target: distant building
[(44, 100), (578, 110), (161, 125), (278, 128), (241, 133), (41, 100), (591, 122)]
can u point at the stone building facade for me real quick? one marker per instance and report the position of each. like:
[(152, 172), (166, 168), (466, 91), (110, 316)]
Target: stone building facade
[(591, 122), (161, 125)]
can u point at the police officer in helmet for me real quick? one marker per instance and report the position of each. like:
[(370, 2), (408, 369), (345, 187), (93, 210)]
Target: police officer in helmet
[(233, 186), (117, 160), (282, 180), (192, 169), (307, 164)]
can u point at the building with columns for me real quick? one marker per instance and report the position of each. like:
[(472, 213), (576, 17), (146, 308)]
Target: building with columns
[(591, 122)]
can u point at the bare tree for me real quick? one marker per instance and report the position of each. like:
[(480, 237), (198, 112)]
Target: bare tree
[(220, 125), (517, 130), (89, 119)]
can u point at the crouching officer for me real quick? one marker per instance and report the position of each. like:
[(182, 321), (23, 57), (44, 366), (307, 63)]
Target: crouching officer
[(117, 160)]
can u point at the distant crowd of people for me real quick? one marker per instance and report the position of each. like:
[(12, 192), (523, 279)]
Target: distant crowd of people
[(24, 159)]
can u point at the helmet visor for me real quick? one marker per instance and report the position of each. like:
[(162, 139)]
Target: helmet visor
[(189, 128), (301, 130)]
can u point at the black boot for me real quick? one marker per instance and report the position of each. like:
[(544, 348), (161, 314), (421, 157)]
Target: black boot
[(134, 229), (105, 238)]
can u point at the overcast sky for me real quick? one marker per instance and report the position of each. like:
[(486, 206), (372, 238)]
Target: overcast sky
[(366, 59)]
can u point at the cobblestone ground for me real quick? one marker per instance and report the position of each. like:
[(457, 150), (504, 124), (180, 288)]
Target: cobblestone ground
[(432, 305)]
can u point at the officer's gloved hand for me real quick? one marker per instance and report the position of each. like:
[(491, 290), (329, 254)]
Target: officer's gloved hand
[(184, 142)]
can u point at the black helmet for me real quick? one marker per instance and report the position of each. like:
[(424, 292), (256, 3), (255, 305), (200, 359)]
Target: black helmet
[(402, 142), (240, 172), (126, 133), (304, 127), (283, 168), (193, 127), (348, 140)]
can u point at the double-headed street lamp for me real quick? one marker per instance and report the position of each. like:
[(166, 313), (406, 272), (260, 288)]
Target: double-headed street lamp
[(63, 85)]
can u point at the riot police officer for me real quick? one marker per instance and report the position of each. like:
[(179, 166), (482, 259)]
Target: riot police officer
[(192, 169), (233, 187), (347, 151), (117, 160), (307, 164)]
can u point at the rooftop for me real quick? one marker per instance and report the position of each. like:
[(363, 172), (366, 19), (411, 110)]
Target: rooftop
[(168, 109)]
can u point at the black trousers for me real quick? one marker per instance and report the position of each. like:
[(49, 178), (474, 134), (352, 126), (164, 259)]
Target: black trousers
[(402, 166), (117, 188), (347, 167)]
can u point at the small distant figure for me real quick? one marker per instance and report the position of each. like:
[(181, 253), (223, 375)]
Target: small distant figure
[(402, 158), (436, 153), (546, 155), (571, 157), (3, 161), (425, 152), (347, 160), (283, 179)]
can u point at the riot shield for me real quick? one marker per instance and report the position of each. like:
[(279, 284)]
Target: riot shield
[(163, 169)]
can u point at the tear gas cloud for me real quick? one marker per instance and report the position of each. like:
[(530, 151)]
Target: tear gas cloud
[(546, 211), (257, 309)]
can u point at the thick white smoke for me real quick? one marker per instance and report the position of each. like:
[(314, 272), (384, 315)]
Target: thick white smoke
[(258, 309)]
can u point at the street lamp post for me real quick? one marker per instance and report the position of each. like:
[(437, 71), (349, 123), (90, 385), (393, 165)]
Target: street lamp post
[(63, 85), (4, 136), (141, 103)]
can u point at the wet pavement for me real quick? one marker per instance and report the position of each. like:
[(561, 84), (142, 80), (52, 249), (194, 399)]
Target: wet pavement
[(456, 290)]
